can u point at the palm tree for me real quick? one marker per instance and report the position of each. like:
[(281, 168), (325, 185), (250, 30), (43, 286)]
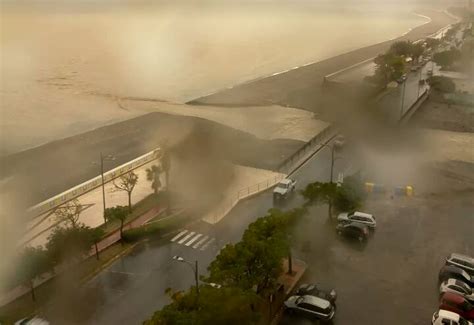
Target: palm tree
[(153, 175)]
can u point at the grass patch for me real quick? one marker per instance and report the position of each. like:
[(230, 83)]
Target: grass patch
[(25, 306), (141, 207), (156, 228)]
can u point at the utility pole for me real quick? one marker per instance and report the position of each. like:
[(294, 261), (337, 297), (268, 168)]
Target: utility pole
[(103, 185), (403, 99)]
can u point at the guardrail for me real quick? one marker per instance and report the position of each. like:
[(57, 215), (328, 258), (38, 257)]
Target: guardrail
[(241, 194), (329, 131), (91, 184)]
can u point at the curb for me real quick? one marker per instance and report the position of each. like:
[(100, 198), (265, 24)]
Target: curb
[(90, 276)]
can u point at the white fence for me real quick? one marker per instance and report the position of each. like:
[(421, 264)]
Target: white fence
[(91, 184)]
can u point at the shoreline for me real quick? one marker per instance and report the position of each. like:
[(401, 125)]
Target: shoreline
[(261, 94), (317, 61)]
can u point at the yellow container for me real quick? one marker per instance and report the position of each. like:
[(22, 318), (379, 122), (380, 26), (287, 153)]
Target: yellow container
[(369, 187), (409, 190)]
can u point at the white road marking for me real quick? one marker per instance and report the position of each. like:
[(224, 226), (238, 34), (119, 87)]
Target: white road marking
[(199, 243), (186, 237), (207, 244), (179, 235), (193, 240)]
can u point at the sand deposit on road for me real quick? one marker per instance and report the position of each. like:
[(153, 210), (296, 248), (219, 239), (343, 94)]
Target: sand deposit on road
[(265, 122)]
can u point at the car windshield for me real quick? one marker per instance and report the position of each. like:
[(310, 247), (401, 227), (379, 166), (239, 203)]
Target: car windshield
[(298, 300), (282, 186)]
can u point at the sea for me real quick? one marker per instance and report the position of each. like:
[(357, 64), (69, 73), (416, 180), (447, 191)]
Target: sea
[(64, 64)]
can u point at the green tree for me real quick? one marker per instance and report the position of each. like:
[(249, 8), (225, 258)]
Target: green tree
[(320, 193), (69, 244), (69, 213), (127, 183), (446, 58), (33, 262), (401, 48), (118, 213), (153, 175), (96, 236), (417, 50), (256, 261), (346, 197), (432, 42), (442, 84), (389, 67), (226, 305)]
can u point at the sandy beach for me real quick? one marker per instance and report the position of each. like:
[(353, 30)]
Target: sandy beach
[(301, 87), (64, 78)]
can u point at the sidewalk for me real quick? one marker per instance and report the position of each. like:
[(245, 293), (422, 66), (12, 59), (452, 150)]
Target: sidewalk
[(289, 282), (106, 242)]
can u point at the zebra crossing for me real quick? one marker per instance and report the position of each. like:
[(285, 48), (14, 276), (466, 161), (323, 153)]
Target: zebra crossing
[(193, 240)]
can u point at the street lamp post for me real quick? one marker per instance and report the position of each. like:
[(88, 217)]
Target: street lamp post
[(403, 99), (333, 149), (102, 158), (194, 266)]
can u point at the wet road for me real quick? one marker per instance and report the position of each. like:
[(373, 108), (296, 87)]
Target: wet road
[(399, 100), (392, 279), (132, 288)]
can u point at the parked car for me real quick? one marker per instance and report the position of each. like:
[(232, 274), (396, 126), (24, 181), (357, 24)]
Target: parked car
[(458, 287), (462, 261), (458, 304), (284, 189), (414, 68), (310, 307), (340, 141), (316, 290), (353, 230), (446, 317), (454, 272), (360, 217), (402, 79)]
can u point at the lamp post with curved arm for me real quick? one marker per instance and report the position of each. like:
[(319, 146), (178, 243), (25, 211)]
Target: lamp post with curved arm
[(194, 266)]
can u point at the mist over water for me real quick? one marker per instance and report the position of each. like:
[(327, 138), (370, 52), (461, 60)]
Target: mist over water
[(64, 63)]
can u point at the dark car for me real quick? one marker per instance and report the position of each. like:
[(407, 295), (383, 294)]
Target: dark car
[(462, 261), (454, 272), (458, 304), (314, 289), (353, 230), (310, 307)]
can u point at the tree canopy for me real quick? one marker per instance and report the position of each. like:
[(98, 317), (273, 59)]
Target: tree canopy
[(67, 244), (447, 58), (127, 183), (256, 261), (442, 84), (226, 305), (69, 213), (118, 213)]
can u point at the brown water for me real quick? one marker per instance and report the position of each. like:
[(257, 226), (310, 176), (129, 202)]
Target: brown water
[(63, 66)]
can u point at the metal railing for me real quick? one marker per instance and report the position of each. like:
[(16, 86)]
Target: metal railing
[(92, 184), (287, 165), (230, 202)]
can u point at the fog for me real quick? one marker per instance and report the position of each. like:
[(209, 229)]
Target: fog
[(64, 63)]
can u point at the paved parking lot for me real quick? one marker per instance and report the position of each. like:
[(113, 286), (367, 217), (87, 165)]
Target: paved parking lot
[(393, 278)]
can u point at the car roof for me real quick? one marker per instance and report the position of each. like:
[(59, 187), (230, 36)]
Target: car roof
[(461, 257), (355, 224), (455, 269), (458, 299), (316, 301), (448, 314), (285, 181), (362, 214)]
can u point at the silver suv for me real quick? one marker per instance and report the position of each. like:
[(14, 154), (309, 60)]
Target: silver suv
[(310, 307), (359, 217), (462, 261)]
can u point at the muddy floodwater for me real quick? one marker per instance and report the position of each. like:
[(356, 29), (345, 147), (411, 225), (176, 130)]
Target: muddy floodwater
[(64, 65)]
